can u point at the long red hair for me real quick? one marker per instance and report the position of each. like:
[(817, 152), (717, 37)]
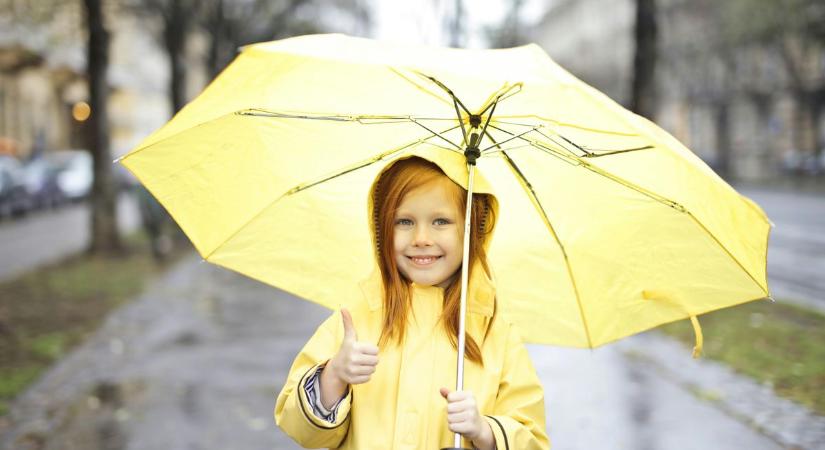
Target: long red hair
[(398, 180)]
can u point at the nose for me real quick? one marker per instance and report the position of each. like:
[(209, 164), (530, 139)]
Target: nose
[(421, 237)]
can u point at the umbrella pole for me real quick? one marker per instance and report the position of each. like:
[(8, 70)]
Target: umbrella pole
[(459, 381)]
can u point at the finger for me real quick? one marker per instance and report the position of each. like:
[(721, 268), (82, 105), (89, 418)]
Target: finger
[(349, 328), (456, 396), (362, 370), (460, 428), (367, 349), (366, 360), (360, 379), (444, 392), (455, 408)]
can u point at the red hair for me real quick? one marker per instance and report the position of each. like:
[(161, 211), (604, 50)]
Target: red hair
[(401, 178)]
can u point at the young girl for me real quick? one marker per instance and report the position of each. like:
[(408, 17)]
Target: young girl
[(378, 375)]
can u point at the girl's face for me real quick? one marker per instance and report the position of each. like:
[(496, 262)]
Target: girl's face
[(427, 235)]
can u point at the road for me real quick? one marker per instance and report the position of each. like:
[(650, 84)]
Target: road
[(796, 261), (796, 249), (45, 237), (197, 362)]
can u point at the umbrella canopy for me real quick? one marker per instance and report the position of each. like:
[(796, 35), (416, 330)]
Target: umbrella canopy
[(607, 225)]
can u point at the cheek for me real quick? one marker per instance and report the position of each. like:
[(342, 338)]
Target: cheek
[(456, 241), (399, 241)]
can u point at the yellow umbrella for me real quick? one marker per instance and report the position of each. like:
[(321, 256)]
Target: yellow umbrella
[(607, 225)]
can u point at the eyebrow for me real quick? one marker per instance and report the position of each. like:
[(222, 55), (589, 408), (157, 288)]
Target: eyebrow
[(434, 214)]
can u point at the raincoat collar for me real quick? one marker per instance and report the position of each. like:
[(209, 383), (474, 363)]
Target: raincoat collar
[(480, 301)]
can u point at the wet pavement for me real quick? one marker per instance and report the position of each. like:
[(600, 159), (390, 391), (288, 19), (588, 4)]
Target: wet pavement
[(796, 262), (197, 361), (45, 237), (796, 249)]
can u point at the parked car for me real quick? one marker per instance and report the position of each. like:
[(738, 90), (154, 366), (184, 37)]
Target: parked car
[(13, 198), (74, 174), (40, 177)]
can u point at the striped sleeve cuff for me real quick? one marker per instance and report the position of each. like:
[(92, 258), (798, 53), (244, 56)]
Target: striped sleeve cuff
[(312, 387)]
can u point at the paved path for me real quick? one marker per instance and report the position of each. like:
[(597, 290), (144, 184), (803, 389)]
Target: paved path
[(196, 364), (45, 237), (796, 253)]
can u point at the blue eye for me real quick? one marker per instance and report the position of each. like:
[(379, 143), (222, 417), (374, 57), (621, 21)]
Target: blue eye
[(441, 221), (405, 222)]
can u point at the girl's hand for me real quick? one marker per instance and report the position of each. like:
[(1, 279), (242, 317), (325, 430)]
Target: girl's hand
[(355, 361), (464, 418)]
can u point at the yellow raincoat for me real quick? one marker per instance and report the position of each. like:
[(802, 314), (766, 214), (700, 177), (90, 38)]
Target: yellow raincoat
[(400, 407)]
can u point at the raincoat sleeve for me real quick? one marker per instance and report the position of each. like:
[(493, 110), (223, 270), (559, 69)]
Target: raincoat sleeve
[(518, 418), (293, 409)]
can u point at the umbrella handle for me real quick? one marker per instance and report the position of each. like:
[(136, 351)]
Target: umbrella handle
[(459, 382)]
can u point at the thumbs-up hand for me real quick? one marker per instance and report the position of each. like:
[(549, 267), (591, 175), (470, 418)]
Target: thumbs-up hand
[(355, 361)]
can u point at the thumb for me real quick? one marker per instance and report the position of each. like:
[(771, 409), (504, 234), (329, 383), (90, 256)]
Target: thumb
[(349, 328), (444, 392)]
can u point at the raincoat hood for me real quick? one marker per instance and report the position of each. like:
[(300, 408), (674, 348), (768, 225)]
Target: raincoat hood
[(481, 298)]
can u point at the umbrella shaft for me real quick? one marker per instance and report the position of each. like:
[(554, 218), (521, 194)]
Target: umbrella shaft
[(459, 380)]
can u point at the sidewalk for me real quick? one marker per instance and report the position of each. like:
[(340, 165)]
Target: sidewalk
[(197, 361)]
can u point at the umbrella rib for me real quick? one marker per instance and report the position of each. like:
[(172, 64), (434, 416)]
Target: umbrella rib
[(305, 186), (528, 188), (498, 144), (420, 87), (361, 118), (658, 198), (589, 152), (503, 93), (437, 134), (521, 136), (568, 125), (448, 90)]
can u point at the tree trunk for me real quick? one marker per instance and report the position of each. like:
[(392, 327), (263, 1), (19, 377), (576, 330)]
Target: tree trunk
[(105, 237), (457, 25), (216, 31), (764, 140), (643, 90), (175, 38), (722, 131), (817, 101), (803, 134)]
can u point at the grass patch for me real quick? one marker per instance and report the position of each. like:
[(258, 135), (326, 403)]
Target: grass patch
[(778, 344), (47, 312)]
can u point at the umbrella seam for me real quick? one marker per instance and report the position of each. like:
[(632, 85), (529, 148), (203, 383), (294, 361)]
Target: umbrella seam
[(663, 200), (568, 125), (418, 86), (537, 204), (300, 187)]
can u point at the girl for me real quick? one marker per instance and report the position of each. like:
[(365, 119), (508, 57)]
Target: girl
[(376, 376)]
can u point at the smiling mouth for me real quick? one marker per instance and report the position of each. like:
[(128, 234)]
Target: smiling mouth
[(423, 260)]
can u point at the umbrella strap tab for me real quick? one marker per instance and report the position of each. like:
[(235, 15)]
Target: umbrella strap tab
[(697, 331)]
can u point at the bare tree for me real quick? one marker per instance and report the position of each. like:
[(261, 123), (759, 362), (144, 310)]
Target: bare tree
[(105, 236), (643, 92), (511, 31), (231, 25), (456, 25), (793, 31), (177, 17)]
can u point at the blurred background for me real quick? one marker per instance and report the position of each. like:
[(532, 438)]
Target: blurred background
[(114, 335)]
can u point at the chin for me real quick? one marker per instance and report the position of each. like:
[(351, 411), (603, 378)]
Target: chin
[(424, 280)]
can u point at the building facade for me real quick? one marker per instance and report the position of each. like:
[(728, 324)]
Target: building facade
[(731, 105)]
